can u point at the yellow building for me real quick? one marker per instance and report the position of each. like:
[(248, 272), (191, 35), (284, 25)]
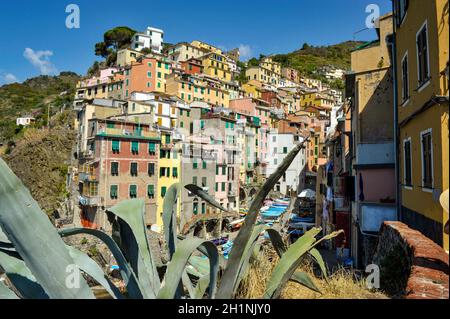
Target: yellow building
[(169, 164), (262, 74), (127, 57), (206, 46), (422, 44), (196, 90), (269, 64), (253, 89), (163, 70), (216, 65), (317, 99)]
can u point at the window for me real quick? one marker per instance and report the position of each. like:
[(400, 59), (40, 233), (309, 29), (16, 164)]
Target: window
[(152, 149), (224, 170), (151, 191), (203, 208), (405, 79), (116, 147), (175, 172), (134, 169), (114, 191), (427, 159), (168, 137), (285, 150), (401, 6), (407, 162), (149, 74), (159, 75), (151, 169), (163, 192), (195, 209), (204, 182), (422, 55), (115, 169), (110, 125), (224, 185), (204, 165), (135, 147), (195, 164), (194, 180), (133, 191)]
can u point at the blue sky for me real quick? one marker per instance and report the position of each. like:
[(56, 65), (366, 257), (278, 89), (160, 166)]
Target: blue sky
[(35, 40)]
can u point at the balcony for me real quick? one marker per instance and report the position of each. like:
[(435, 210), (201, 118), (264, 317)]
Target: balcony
[(117, 132), (87, 155), (86, 177), (91, 201)]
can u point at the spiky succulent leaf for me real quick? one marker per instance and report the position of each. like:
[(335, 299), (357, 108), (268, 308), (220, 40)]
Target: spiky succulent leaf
[(231, 272), (169, 217), (197, 191), (6, 293), (91, 268), (36, 239), (249, 250), (201, 287), (134, 290), (289, 262), (305, 280), (319, 259), (277, 242), (135, 244), (178, 264), (21, 277)]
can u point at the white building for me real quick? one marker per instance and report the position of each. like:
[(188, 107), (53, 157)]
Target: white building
[(279, 146), (25, 121), (152, 39)]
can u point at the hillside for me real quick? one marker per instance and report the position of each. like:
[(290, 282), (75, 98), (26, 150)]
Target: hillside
[(33, 97), (309, 58)]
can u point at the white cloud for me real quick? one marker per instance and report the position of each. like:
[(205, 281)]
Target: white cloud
[(246, 51), (41, 60), (8, 78)]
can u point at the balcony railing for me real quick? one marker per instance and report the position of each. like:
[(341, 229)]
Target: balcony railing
[(91, 201), (87, 155), (127, 133)]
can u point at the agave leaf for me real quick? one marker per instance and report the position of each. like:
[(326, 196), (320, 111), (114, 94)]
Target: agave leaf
[(6, 293), (304, 279), (133, 287), (277, 242), (186, 281), (197, 191), (201, 287), (91, 268), (179, 261), (249, 249), (169, 217), (319, 259), (289, 262), (21, 277), (226, 288), (3, 238), (36, 239), (135, 244), (201, 266)]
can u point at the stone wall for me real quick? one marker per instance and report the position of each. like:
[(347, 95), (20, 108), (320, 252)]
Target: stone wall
[(411, 265)]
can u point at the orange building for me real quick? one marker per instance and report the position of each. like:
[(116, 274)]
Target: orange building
[(145, 75)]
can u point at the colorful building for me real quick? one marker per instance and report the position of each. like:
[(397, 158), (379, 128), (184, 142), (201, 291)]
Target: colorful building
[(421, 40)]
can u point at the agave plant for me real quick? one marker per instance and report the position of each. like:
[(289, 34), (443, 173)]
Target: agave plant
[(38, 264)]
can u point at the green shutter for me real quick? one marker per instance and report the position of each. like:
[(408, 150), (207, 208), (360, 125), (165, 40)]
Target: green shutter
[(110, 125), (116, 146), (175, 172), (217, 169), (152, 148), (203, 208), (133, 190), (135, 146), (223, 187), (204, 165), (114, 191), (224, 170), (151, 191), (217, 187), (163, 191), (195, 164), (195, 210), (167, 139)]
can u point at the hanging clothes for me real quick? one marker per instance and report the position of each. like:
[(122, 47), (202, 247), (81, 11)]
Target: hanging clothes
[(329, 194)]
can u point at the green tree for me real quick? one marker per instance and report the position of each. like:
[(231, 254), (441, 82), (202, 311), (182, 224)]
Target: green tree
[(114, 40)]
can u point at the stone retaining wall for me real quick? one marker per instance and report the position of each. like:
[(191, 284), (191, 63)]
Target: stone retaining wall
[(411, 265)]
